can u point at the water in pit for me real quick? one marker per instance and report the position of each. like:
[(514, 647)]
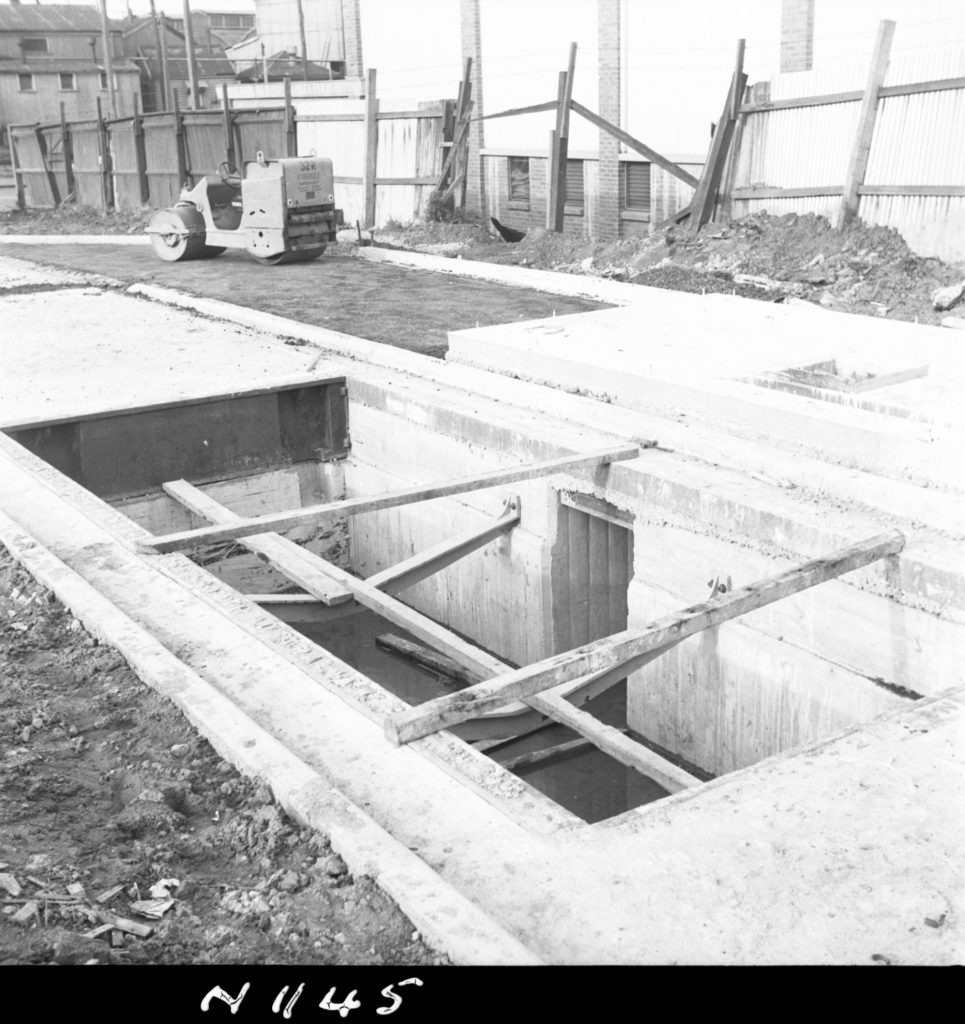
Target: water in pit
[(589, 783)]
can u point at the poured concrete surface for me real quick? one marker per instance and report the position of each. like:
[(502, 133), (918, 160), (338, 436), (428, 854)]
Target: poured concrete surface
[(841, 853)]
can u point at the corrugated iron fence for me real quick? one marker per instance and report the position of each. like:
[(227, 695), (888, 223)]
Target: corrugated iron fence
[(142, 160), (798, 135)]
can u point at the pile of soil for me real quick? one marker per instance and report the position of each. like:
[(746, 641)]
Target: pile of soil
[(862, 269), (106, 791)]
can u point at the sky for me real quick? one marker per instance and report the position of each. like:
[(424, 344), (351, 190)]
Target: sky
[(678, 57)]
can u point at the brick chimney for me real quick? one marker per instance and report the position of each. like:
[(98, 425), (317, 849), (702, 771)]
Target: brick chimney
[(797, 35), (471, 32)]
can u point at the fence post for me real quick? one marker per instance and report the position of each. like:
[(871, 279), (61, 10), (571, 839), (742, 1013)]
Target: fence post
[(229, 127), (291, 128), (179, 143), (17, 176), (103, 145), (858, 163), (565, 95), (371, 148), (140, 154), (67, 147), (48, 170)]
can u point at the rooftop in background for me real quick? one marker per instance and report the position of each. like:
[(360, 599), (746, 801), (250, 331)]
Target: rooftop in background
[(49, 18), (287, 65)]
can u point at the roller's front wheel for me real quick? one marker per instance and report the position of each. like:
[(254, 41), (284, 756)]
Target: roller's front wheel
[(174, 234)]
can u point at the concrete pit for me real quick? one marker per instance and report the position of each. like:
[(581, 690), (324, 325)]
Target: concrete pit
[(800, 721)]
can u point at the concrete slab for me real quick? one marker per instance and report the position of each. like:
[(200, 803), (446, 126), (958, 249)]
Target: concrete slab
[(842, 852)]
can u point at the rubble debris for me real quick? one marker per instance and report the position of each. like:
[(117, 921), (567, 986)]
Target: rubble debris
[(72, 948), (10, 883), (28, 911), (946, 298)]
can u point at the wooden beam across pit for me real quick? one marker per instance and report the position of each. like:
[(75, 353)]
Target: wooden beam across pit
[(238, 527), (610, 653), (304, 565)]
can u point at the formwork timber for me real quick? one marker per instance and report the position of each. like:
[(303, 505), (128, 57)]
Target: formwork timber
[(832, 717)]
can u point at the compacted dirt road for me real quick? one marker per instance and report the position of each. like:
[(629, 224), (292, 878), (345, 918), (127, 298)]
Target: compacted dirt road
[(399, 306)]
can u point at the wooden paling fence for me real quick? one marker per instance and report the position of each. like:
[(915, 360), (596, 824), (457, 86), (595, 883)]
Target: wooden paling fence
[(130, 162)]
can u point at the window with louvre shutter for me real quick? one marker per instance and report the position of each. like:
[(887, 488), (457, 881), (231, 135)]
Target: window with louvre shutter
[(574, 183), (635, 187)]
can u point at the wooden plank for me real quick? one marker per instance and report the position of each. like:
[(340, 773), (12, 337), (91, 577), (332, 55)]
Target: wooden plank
[(912, 190), (578, 540), (371, 147), (598, 605), (272, 523), (48, 170), (17, 171), (543, 757), (617, 744), (304, 564), (705, 198), (426, 563), (65, 145), (278, 552), (308, 567), (426, 658), (861, 148), (617, 650), (303, 608), (763, 192), (936, 85), (630, 142), (533, 108)]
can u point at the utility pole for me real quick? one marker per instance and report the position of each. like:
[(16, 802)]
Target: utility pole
[(301, 32), (108, 59), (160, 35), (189, 46)]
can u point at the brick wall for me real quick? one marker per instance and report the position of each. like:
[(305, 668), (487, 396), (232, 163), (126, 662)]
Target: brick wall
[(607, 212), (797, 35), (352, 31), (471, 31)]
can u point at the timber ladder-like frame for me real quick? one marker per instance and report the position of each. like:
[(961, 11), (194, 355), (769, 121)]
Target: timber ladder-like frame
[(550, 688)]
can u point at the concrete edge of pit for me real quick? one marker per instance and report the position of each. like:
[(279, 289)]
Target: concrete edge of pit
[(447, 920)]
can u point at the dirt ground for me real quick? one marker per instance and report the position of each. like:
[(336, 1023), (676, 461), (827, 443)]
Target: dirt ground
[(106, 789), (408, 308), (863, 269)]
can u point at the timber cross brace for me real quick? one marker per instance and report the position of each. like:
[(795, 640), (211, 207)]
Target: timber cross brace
[(545, 684)]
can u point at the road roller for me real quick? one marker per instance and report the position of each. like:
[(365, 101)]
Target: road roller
[(281, 211)]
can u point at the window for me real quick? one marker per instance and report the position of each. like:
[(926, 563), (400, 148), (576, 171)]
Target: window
[(34, 45), (103, 80), (67, 82), (635, 187), (519, 182), (26, 82), (574, 183)]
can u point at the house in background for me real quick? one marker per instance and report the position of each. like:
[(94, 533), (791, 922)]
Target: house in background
[(54, 54), (145, 40)]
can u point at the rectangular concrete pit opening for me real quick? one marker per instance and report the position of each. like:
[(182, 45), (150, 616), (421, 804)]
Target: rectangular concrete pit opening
[(579, 563)]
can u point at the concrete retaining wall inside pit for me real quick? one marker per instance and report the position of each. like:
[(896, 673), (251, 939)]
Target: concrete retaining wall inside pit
[(790, 674), (499, 595)]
